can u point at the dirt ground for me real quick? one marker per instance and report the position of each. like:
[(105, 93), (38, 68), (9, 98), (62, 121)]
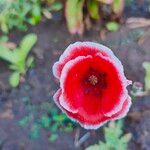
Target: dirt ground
[(131, 46)]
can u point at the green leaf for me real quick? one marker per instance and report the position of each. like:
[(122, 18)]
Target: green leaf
[(4, 27), (3, 38), (29, 62), (36, 15), (6, 54), (14, 79), (104, 146), (53, 137), (93, 8), (126, 138), (93, 147), (54, 127), (45, 121), (59, 118), (24, 121), (117, 6), (74, 16), (27, 43), (56, 6), (4, 5), (146, 66), (13, 67), (112, 26), (68, 128), (35, 131)]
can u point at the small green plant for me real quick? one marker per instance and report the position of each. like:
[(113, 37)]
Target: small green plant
[(18, 58), (50, 120), (114, 138), (55, 122), (19, 13)]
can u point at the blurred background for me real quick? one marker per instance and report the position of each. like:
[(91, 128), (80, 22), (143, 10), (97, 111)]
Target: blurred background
[(33, 34)]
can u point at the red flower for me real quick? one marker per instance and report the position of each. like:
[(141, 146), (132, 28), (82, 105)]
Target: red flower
[(92, 85)]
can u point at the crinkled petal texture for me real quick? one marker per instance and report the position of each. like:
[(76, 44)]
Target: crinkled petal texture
[(92, 85)]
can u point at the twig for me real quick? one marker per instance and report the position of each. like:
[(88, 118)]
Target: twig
[(137, 22), (77, 137), (78, 141)]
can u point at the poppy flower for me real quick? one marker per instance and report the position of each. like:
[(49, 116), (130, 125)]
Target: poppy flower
[(93, 87)]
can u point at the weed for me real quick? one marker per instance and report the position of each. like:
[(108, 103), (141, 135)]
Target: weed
[(18, 58), (114, 138), (50, 120)]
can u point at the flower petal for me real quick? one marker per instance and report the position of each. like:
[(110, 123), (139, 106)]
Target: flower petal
[(124, 110), (116, 93), (82, 49), (84, 122), (70, 98), (87, 122), (56, 98), (113, 97)]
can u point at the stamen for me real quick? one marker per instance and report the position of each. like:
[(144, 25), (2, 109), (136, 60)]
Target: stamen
[(93, 80)]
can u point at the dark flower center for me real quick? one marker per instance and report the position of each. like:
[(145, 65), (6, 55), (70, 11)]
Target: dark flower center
[(94, 82)]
